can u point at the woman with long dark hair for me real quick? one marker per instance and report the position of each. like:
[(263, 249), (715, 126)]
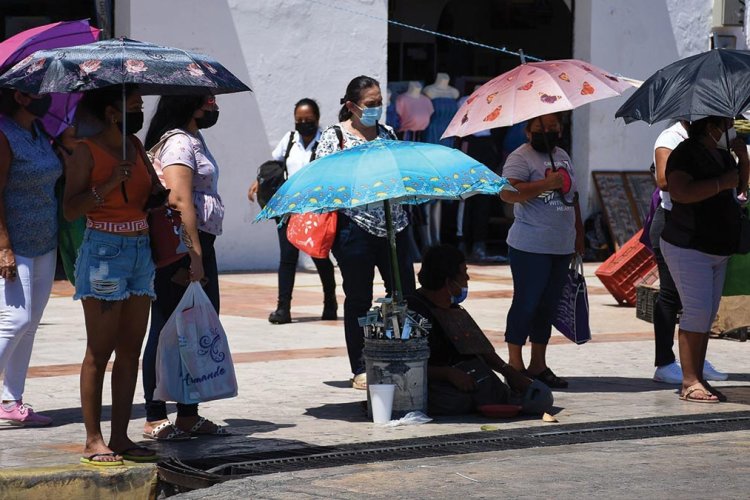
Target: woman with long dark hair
[(191, 174), (114, 272), (297, 149), (361, 243)]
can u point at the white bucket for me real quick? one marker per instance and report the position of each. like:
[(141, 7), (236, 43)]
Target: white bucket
[(381, 399)]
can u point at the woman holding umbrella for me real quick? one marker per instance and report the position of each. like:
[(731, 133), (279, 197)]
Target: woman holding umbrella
[(361, 243), (191, 174), (700, 235), (547, 230), (114, 270), (29, 170)]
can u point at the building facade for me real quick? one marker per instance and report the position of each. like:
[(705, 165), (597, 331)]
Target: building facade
[(289, 49)]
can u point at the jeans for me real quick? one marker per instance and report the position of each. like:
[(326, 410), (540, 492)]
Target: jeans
[(358, 253), (667, 302), (168, 295), (288, 270), (22, 302), (538, 281)]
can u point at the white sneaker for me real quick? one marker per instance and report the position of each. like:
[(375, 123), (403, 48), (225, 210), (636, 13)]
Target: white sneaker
[(711, 373), (669, 374)]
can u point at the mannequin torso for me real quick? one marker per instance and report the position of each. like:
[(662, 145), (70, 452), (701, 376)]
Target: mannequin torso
[(441, 88)]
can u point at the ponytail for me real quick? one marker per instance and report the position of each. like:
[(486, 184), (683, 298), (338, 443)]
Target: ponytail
[(354, 93)]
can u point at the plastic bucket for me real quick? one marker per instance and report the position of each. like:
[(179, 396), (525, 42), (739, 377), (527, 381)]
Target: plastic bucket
[(402, 363), (381, 399)]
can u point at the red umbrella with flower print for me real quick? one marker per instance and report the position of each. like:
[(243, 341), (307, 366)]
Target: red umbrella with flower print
[(531, 90), (152, 68)]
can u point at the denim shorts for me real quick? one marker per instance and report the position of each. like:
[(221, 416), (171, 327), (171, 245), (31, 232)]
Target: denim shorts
[(114, 267)]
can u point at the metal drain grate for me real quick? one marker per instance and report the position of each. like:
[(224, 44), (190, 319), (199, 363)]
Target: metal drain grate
[(207, 471)]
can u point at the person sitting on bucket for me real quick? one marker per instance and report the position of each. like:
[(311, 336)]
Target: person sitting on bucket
[(462, 365)]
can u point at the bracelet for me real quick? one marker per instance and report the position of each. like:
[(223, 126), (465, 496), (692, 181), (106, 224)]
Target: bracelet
[(97, 197)]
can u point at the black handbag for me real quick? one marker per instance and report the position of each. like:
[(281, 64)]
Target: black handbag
[(272, 174)]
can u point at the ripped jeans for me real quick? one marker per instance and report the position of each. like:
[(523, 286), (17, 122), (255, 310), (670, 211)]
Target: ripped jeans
[(111, 266)]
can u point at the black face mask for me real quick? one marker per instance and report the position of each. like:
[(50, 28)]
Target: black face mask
[(539, 144), (133, 122), (306, 129), (208, 119), (39, 107)]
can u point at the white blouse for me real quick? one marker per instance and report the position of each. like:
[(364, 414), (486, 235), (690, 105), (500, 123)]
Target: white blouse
[(299, 156)]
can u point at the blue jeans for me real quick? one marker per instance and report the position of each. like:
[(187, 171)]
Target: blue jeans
[(168, 295), (358, 253), (538, 281)]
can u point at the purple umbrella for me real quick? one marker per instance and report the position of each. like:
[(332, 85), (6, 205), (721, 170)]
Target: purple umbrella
[(50, 36)]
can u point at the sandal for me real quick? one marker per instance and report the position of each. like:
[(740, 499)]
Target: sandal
[(127, 454), (359, 382), (687, 395), (176, 434), (549, 379), (92, 460), (716, 392), (217, 430)]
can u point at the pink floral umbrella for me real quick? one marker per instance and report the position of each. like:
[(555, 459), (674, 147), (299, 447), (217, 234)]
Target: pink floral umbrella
[(534, 89)]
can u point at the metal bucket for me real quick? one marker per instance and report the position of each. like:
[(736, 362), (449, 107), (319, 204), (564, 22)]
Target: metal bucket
[(402, 363)]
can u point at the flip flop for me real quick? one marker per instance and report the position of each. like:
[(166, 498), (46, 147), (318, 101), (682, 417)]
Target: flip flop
[(687, 395), (90, 460), (716, 392), (217, 431), (126, 455), (176, 433)]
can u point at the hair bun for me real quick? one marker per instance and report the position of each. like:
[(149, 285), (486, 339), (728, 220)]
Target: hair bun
[(342, 100)]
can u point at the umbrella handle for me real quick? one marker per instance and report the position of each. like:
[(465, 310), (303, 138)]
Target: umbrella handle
[(555, 169), (124, 142), (398, 293)]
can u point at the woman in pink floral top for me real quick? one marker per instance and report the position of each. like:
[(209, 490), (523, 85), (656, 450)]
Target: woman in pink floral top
[(190, 171)]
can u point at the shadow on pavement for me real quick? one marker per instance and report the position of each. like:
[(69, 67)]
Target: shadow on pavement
[(341, 384), (615, 384), (355, 411)]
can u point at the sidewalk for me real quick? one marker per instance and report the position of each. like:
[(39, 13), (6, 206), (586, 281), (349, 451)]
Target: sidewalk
[(293, 379)]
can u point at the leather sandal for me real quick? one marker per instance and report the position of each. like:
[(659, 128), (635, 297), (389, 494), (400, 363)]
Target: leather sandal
[(175, 433)]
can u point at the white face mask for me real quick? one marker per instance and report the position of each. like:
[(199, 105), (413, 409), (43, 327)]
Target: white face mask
[(731, 135)]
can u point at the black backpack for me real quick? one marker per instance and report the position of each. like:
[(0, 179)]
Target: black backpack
[(272, 174)]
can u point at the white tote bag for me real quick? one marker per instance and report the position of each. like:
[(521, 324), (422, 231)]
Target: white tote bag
[(193, 361)]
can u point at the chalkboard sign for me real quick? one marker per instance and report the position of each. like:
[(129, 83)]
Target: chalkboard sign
[(625, 198)]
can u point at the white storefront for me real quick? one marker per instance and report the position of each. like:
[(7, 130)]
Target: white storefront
[(289, 49)]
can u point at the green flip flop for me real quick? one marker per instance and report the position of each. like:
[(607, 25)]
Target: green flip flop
[(127, 455), (91, 460)]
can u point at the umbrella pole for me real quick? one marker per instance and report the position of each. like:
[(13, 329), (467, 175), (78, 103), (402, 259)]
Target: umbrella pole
[(124, 141), (391, 235)]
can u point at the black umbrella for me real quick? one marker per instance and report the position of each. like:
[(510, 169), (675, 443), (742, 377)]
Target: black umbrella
[(714, 83)]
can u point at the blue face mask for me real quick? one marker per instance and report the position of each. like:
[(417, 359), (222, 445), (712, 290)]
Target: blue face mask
[(370, 116), (457, 299)]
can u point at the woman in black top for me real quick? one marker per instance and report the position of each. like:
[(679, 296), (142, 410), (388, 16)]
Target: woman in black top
[(701, 233)]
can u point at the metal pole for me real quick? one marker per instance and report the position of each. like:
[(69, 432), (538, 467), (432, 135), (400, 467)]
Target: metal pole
[(391, 235)]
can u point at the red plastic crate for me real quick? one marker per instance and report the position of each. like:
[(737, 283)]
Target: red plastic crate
[(625, 269)]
